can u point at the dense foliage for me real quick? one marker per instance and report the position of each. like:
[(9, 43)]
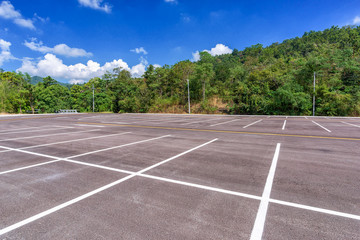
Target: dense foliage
[(277, 79)]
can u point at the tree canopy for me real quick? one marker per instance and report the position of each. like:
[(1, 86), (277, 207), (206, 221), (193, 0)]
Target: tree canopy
[(277, 79)]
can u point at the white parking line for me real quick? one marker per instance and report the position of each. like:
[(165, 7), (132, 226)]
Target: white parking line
[(351, 124), (30, 166), (83, 125), (315, 209), (68, 158), (214, 189), (47, 135), (295, 205), (118, 122), (321, 126), (283, 127), (224, 122), (111, 148), (87, 117), (68, 203), (73, 140), (259, 224), (252, 123), (38, 130), (17, 129), (201, 121)]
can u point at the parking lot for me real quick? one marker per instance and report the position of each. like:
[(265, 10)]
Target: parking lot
[(167, 176)]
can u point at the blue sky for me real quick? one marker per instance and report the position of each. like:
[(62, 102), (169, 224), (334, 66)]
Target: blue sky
[(74, 40)]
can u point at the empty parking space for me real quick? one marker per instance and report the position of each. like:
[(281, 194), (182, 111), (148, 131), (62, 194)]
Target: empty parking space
[(237, 166), (142, 154), (158, 176), (319, 174), (291, 223), (147, 209), (31, 191)]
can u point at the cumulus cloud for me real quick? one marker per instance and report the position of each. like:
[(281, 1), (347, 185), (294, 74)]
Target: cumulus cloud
[(8, 11), (196, 56), (356, 20), (77, 81), (96, 4), (219, 49), (52, 66), (60, 49), (5, 53), (139, 50), (139, 69), (157, 66)]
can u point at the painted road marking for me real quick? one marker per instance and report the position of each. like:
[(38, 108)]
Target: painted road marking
[(30, 166), (84, 125), (352, 124), (252, 123), (119, 122), (295, 205), (68, 203), (315, 209), (37, 130), (74, 140), (47, 135), (228, 131), (27, 118), (214, 189), (201, 121), (321, 126), (283, 127), (17, 129), (259, 224), (224, 122), (124, 145), (66, 159)]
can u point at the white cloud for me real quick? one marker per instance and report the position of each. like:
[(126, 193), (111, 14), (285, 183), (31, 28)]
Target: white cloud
[(157, 66), (356, 20), (96, 4), (219, 49), (139, 69), (171, 1), (27, 23), (5, 53), (8, 11), (60, 49), (196, 56), (139, 50), (52, 66), (77, 81)]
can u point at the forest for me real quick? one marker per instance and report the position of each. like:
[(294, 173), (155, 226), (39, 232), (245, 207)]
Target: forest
[(277, 79)]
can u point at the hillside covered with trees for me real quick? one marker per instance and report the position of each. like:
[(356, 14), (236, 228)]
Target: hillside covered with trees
[(277, 79)]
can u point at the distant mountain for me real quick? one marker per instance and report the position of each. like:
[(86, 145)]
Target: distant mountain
[(36, 79)]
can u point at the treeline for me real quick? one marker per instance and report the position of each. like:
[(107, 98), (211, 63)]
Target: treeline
[(277, 79)]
